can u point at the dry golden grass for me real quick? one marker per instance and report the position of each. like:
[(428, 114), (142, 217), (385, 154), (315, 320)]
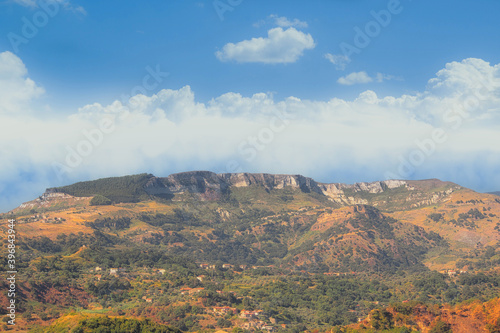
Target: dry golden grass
[(460, 238), (74, 218)]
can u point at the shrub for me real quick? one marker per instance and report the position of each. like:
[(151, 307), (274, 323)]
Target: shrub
[(100, 200)]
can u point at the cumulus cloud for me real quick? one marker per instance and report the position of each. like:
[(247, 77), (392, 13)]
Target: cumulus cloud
[(280, 46), (16, 89), (466, 76), (334, 140), (363, 77), (339, 60)]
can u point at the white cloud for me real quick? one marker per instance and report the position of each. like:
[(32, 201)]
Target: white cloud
[(379, 77), (355, 78), (362, 77), (334, 140), (339, 60), (16, 89), (462, 77), (280, 46), (284, 22)]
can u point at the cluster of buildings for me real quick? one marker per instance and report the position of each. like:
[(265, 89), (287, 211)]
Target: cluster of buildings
[(229, 266), (452, 272), (224, 310), (253, 318), (338, 274), (247, 319), (41, 218), (117, 271)]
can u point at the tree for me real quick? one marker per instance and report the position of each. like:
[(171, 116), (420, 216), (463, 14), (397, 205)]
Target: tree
[(100, 200), (381, 319), (441, 327)]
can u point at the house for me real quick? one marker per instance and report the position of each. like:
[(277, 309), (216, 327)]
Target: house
[(98, 269), (115, 271), (200, 278), (204, 266), (227, 266), (149, 300), (243, 266), (162, 271), (450, 272)]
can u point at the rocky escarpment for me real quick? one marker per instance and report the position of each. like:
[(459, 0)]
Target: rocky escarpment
[(205, 181), (200, 182), (48, 199), (206, 185), (210, 185)]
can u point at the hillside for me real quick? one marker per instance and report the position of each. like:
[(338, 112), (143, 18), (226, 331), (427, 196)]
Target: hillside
[(291, 220), (234, 230), (249, 218), (474, 316)]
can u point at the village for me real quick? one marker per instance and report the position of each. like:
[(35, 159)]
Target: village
[(247, 319)]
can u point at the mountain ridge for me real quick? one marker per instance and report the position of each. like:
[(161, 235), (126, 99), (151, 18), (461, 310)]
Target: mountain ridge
[(208, 185), (311, 223)]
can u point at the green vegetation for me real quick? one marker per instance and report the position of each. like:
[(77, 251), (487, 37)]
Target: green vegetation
[(296, 299), (197, 261), (117, 189), (436, 217), (441, 327), (119, 223), (100, 200), (118, 325)]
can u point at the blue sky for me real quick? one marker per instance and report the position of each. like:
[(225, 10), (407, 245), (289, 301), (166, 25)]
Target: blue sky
[(235, 68)]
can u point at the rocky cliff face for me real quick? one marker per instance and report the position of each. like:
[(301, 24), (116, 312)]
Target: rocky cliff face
[(192, 182), (212, 185), (203, 181), (206, 185)]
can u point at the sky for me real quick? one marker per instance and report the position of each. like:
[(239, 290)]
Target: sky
[(337, 90)]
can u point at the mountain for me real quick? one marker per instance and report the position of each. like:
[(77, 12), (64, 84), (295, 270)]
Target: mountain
[(251, 241), (210, 186), (495, 193), (287, 220)]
